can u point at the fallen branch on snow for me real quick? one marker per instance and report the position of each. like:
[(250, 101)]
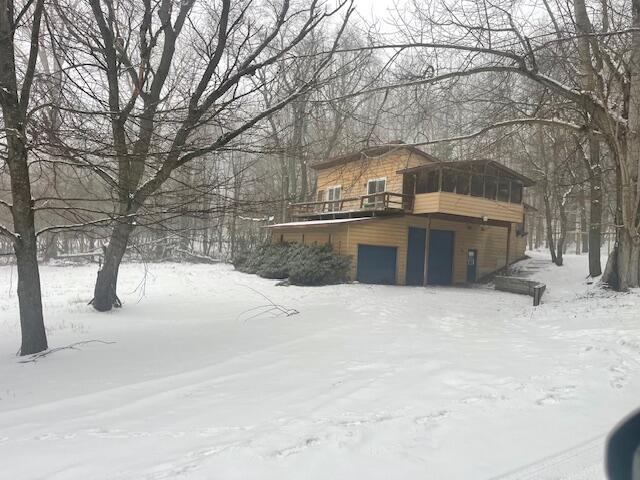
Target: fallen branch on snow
[(264, 309), (37, 356)]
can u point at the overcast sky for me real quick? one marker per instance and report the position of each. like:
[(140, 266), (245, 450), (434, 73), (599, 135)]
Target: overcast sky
[(373, 8)]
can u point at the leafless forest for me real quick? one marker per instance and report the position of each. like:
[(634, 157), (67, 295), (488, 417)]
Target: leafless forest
[(157, 130)]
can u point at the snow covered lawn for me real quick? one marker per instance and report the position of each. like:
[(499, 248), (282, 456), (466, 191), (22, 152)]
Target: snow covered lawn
[(365, 382)]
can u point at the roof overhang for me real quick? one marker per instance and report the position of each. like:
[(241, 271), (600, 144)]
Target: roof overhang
[(318, 223), (372, 152)]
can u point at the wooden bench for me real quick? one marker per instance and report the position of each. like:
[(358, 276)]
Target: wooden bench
[(522, 286)]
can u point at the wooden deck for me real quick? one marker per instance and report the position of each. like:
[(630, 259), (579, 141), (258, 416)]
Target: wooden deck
[(386, 203), (365, 205)]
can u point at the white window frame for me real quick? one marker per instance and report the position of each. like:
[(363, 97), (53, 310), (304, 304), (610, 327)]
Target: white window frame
[(331, 190), (376, 200)]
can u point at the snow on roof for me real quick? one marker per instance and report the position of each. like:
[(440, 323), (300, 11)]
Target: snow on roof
[(318, 222)]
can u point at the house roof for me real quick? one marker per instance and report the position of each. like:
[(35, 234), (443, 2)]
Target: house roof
[(332, 221), (376, 151), (526, 181)]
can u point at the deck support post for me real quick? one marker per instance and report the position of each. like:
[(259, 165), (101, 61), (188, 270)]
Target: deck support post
[(426, 252), (508, 245)]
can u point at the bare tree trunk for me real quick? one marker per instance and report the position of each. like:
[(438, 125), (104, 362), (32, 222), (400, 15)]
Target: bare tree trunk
[(584, 223), (546, 194), (562, 237), (34, 337), (594, 234), (285, 188), (50, 249), (105, 295), (629, 252), (580, 221), (539, 231), (14, 113), (549, 226), (595, 208), (237, 185)]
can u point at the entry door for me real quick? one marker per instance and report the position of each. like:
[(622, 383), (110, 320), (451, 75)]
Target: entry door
[(472, 265), (415, 256), (376, 264), (440, 269)]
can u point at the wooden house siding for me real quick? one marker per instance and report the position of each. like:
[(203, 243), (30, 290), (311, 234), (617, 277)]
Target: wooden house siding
[(336, 235), (468, 206), (388, 232), (519, 245), (353, 176), (489, 241)]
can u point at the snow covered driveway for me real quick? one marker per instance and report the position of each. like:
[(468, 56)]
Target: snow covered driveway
[(365, 382)]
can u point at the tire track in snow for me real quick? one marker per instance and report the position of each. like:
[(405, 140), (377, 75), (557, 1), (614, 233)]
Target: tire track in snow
[(138, 394), (581, 462)]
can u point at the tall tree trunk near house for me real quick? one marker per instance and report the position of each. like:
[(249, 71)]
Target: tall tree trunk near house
[(594, 230), (562, 237), (14, 114), (285, 187), (304, 177), (584, 43), (34, 338), (582, 228), (595, 209), (623, 267), (539, 231), (292, 182), (237, 185), (105, 295), (221, 209), (549, 225), (299, 132)]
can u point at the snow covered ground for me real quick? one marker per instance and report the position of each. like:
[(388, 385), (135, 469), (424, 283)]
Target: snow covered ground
[(365, 382)]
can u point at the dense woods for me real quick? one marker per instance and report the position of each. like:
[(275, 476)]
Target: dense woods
[(175, 130)]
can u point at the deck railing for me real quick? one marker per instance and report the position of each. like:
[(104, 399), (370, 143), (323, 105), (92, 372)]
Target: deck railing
[(383, 201)]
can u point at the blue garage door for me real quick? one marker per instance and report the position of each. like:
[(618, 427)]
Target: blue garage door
[(440, 269), (415, 256), (376, 264)]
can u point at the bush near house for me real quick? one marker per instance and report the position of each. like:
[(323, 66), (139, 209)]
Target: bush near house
[(302, 264)]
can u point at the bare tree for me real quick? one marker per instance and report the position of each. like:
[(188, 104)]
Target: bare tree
[(170, 71), (15, 94)]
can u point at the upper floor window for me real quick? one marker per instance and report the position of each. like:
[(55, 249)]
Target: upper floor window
[(462, 183), (448, 181), (334, 194), (477, 185), (320, 196), (503, 189), (490, 183), (377, 185), (516, 192)]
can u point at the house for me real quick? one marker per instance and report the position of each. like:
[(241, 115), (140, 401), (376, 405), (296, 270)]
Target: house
[(408, 218)]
